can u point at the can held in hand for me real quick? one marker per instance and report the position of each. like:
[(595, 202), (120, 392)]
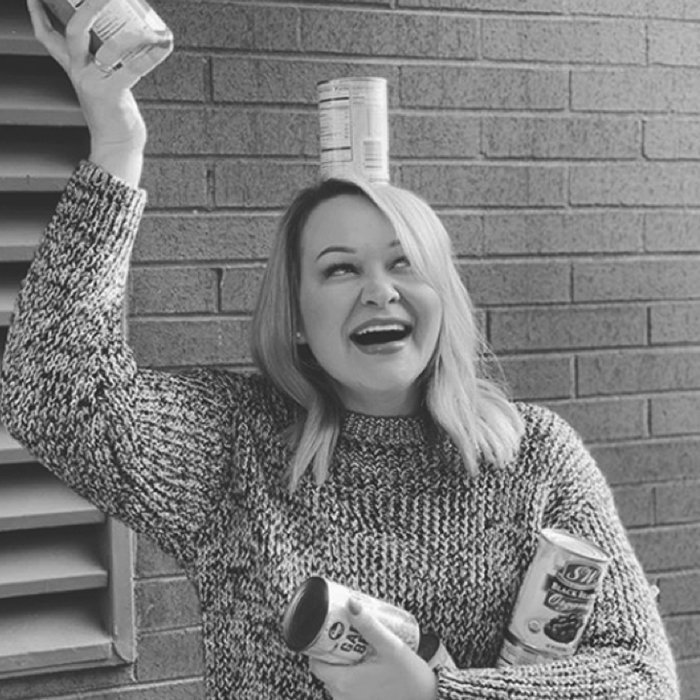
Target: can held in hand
[(354, 128), (555, 600), (125, 31), (317, 623)]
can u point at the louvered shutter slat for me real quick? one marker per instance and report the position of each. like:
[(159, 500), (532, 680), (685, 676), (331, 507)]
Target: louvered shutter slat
[(48, 562), (11, 452), (16, 34)]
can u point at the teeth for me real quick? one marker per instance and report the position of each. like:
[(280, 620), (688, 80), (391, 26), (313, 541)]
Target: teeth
[(383, 328)]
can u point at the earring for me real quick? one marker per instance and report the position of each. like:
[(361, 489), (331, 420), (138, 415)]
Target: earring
[(299, 337)]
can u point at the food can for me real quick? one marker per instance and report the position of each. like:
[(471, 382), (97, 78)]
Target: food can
[(124, 31), (354, 128), (555, 600), (317, 622)]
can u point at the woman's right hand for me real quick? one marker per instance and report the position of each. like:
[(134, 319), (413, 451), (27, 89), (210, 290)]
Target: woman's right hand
[(117, 129)]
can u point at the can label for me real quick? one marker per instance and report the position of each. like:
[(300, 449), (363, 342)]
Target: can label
[(354, 128), (555, 601), (317, 622)]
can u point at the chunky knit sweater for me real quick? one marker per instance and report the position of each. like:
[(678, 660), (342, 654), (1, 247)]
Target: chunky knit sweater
[(195, 461)]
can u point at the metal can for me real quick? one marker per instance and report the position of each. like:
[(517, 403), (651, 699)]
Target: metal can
[(317, 622), (555, 600), (125, 31), (354, 128)]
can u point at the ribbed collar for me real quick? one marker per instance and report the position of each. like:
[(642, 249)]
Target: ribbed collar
[(393, 430)]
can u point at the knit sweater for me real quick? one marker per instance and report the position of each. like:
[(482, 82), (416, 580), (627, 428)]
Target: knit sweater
[(195, 460)]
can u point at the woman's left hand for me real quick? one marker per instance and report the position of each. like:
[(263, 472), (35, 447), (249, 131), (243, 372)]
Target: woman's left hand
[(392, 671)]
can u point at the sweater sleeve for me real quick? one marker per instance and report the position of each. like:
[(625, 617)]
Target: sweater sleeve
[(147, 447), (624, 653)]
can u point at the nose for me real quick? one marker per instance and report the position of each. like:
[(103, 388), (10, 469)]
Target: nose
[(379, 290)]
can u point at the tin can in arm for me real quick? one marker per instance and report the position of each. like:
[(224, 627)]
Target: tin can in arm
[(317, 623), (354, 128), (555, 600), (125, 31)]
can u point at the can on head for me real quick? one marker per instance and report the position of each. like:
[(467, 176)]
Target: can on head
[(354, 128), (555, 600), (317, 622)]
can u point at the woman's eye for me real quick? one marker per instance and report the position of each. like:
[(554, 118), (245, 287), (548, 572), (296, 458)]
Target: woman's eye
[(401, 262), (339, 269)]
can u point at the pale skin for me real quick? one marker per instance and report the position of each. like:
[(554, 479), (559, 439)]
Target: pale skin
[(117, 142)]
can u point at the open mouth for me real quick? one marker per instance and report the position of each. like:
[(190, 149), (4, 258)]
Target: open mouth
[(381, 334)]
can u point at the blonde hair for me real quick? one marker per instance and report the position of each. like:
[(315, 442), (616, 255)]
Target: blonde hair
[(461, 394)]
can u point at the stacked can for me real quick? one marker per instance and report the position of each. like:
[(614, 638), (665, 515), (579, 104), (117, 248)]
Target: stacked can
[(555, 600), (354, 128), (317, 623)]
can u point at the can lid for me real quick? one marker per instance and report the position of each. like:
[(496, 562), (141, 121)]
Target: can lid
[(305, 614), (575, 544)]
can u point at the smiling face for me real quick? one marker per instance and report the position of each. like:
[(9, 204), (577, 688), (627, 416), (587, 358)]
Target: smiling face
[(369, 320)]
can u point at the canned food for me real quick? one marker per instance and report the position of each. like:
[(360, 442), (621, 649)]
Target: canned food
[(354, 128), (124, 30), (555, 600), (317, 622)]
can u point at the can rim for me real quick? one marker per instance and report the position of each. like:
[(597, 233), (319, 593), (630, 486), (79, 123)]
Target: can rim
[(575, 544), (304, 617), (361, 78)]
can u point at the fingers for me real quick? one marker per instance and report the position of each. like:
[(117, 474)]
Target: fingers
[(52, 40), (379, 637)]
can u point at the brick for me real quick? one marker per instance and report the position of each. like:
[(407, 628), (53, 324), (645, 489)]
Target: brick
[(568, 327), (604, 420), (667, 548), (675, 415), (647, 461), (485, 185), (232, 131), (202, 237), (682, 9), (684, 635), (151, 560), (636, 90), (177, 690), (240, 287), (561, 137), (689, 677), (492, 282), (672, 139), (671, 231), (554, 233), (675, 323), (264, 183), (466, 232), (537, 378), (679, 502), (166, 604), (434, 136), (641, 279), (172, 654), (469, 87), (653, 184), (679, 592), (175, 183), (388, 34), (562, 41), (280, 81), (182, 77), (675, 44), (638, 371), (173, 290), (635, 505), (172, 343), (528, 6), (233, 26)]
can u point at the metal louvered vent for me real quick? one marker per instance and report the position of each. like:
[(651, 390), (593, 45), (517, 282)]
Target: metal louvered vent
[(66, 594)]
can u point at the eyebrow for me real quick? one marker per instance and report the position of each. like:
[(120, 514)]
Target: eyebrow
[(346, 249)]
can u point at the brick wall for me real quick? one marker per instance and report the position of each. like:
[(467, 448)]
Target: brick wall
[(560, 142)]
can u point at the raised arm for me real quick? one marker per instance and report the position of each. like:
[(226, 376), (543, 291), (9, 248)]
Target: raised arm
[(150, 447)]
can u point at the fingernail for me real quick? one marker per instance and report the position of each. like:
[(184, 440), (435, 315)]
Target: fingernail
[(354, 606)]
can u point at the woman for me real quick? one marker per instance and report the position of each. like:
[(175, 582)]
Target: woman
[(370, 448)]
